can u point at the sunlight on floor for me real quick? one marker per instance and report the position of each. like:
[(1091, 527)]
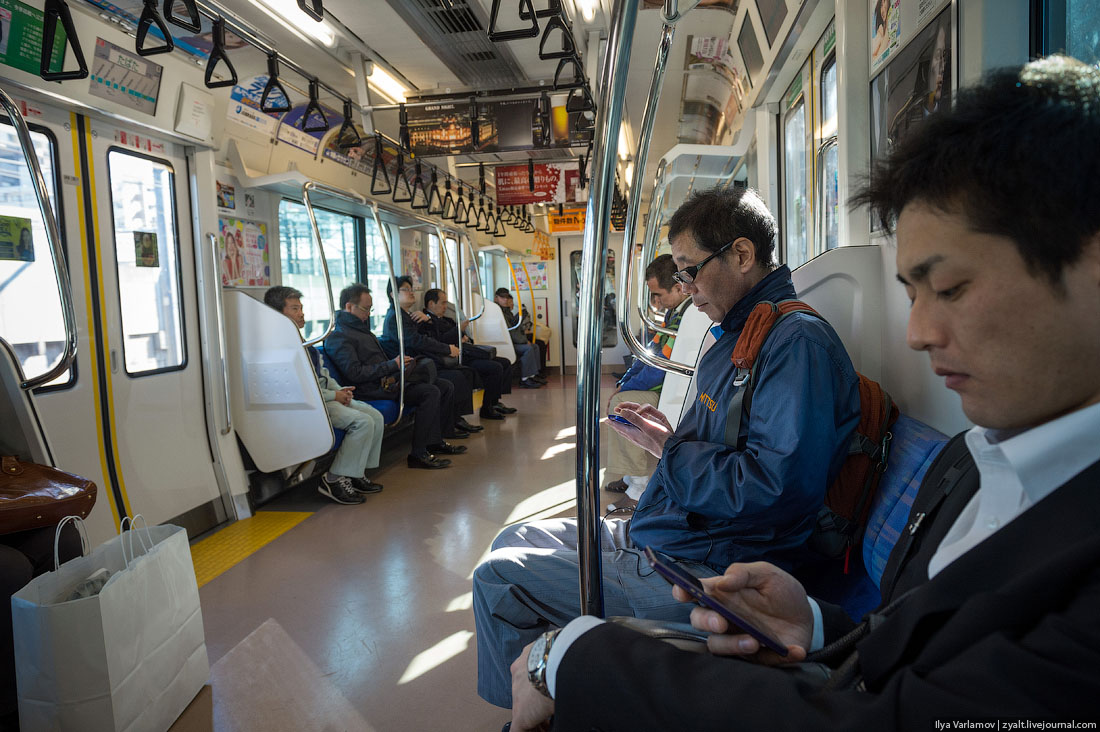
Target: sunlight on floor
[(545, 503), (462, 602), (567, 432), (437, 655), (557, 450)]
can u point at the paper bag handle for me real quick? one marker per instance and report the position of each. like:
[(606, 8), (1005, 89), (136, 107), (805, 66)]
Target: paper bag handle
[(129, 526), (81, 529)]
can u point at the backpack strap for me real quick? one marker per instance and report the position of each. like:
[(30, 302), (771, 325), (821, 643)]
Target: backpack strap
[(763, 318)]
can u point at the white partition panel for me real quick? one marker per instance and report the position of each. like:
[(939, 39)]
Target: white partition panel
[(491, 330), (277, 408), (688, 348)]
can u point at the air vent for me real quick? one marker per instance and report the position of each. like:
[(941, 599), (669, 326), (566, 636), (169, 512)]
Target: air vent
[(480, 56)]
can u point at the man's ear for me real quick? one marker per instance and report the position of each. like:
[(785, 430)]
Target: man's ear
[(745, 252)]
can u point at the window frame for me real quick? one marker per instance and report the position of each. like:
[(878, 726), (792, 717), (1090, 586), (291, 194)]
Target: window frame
[(802, 101), (179, 262)]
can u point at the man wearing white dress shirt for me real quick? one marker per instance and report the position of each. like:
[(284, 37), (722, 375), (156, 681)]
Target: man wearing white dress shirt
[(991, 598)]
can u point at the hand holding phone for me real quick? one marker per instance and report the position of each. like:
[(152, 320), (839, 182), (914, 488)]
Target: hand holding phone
[(622, 421), (691, 584)]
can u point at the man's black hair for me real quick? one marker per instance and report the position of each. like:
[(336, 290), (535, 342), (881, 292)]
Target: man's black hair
[(432, 295), (502, 292), (352, 293), (401, 281), (662, 268), (277, 296), (717, 216), (1018, 156)]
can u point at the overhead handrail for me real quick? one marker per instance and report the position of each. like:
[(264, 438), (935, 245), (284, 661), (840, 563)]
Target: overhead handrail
[(150, 17), (553, 7), (400, 329), (314, 107), (531, 292), (379, 164), (219, 313), (818, 203), (477, 273), (526, 12), (217, 53), (589, 346), (339, 193), (273, 84), (313, 8), (53, 237), (649, 243), (53, 12), (193, 21), (518, 299), (457, 290)]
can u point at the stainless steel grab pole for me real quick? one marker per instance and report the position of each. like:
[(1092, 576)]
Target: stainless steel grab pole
[(219, 314), (477, 274), (458, 287), (649, 245), (53, 237), (612, 86), (348, 195), (396, 315)]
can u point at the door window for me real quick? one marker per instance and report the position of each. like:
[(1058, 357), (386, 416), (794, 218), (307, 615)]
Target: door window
[(143, 204), (795, 200)]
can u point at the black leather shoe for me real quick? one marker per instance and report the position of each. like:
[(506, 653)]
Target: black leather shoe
[(539, 378), (490, 413), (499, 406), (457, 434), (427, 462), (365, 486), (464, 425), (529, 384), (445, 448)]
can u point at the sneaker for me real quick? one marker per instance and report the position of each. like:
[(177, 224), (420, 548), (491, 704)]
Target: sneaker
[(340, 490), (365, 486)]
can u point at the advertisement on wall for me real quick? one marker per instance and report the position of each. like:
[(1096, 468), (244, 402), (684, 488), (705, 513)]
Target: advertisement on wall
[(894, 23), (569, 221), (21, 38), (537, 271), (553, 183), (242, 246)]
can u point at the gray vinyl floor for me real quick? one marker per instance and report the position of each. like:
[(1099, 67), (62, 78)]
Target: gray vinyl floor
[(374, 600)]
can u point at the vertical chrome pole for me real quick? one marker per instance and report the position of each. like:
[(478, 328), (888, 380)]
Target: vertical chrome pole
[(593, 266), (219, 316), (324, 261), (396, 315)]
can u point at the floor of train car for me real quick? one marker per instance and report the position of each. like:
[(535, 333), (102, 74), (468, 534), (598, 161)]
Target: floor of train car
[(377, 596)]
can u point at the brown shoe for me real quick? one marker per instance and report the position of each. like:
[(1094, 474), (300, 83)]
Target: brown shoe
[(624, 505), (618, 486)]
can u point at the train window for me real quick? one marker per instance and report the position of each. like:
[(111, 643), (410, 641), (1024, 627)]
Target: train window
[(795, 200), (378, 273), (830, 158), (30, 306), (1070, 27), (147, 259), (302, 266), (438, 276)]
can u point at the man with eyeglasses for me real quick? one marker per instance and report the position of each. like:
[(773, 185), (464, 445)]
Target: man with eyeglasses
[(714, 498)]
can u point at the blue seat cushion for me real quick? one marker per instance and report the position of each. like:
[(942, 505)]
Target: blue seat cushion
[(388, 408)]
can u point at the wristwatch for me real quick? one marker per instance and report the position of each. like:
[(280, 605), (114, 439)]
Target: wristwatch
[(537, 658)]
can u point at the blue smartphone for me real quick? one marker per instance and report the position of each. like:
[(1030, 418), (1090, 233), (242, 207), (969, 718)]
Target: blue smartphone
[(691, 584), (622, 420)]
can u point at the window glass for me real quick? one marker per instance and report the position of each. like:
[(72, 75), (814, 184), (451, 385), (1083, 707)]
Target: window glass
[(795, 207), (830, 163), (1083, 30), (438, 276), (378, 275), (147, 256), (301, 263), (30, 306)]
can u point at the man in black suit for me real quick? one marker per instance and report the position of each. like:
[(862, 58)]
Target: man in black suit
[(991, 599)]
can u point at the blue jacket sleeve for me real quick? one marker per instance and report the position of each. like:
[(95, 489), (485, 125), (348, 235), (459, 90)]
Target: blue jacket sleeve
[(804, 409), (641, 377)]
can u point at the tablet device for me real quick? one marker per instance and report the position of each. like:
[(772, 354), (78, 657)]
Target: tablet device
[(691, 584)]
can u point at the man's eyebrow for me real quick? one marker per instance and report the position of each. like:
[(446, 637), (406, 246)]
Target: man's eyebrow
[(919, 272)]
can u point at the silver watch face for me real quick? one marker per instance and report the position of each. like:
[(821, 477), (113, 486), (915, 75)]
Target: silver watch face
[(534, 658)]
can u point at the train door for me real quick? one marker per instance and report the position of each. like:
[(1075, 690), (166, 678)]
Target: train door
[(570, 253), (150, 335)]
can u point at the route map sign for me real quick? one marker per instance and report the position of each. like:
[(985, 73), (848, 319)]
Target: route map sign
[(125, 78)]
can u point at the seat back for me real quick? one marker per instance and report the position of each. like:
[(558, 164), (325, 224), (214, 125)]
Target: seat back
[(686, 349)]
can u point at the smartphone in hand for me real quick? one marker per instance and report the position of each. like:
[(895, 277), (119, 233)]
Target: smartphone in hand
[(691, 584), (622, 420)]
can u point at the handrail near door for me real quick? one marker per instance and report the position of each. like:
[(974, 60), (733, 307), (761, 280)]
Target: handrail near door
[(457, 284), (515, 284), (477, 274), (396, 316), (219, 314), (339, 193), (531, 292), (53, 237), (597, 225), (649, 244)]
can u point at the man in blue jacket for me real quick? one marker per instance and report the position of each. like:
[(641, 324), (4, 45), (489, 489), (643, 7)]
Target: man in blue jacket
[(713, 499), (629, 466)]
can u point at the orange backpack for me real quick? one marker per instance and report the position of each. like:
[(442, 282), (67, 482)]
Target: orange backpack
[(841, 521)]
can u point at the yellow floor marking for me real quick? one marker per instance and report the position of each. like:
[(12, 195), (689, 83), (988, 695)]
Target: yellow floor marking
[(238, 541)]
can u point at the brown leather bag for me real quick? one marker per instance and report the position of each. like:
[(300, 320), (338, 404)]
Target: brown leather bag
[(33, 496)]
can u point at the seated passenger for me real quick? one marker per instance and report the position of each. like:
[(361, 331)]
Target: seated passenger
[(363, 425), (527, 355), (990, 600), (361, 361), (714, 498), (444, 330), (629, 466), (445, 356)]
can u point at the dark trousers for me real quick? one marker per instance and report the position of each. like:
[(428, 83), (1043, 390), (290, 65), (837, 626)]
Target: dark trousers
[(23, 556), (463, 382), (506, 371), (492, 378), (434, 416)]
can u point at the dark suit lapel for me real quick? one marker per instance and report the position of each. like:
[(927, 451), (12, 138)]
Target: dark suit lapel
[(1043, 542)]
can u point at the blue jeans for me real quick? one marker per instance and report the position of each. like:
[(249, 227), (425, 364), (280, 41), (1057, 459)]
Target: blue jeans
[(529, 584), (528, 358)]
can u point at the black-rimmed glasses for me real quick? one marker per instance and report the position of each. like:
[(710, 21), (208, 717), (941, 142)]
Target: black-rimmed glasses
[(687, 275)]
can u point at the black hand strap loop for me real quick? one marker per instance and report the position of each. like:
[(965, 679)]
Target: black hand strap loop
[(526, 12), (567, 48), (403, 127), (481, 223), (545, 137), (54, 11), (313, 8), (348, 136), (193, 21), (418, 202), (578, 74), (580, 100), (402, 189), (462, 213), (449, 209), (314, 108), (435, 201), (553, 7), (217, 53), (379, 165), (149, 18), (499, 231), (273, 84)]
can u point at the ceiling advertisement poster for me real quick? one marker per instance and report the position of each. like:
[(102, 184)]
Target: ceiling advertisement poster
[(553, 183)]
